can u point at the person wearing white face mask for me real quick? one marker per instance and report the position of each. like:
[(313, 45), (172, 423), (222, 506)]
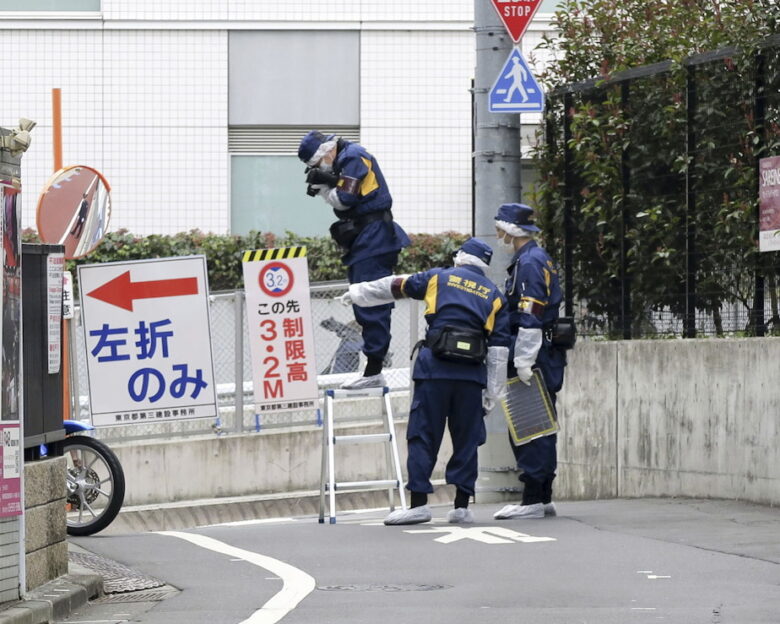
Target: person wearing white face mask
[(349, 179), (534, 297), (459, 373)]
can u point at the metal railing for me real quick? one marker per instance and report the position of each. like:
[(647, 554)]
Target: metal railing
[(336, 340)]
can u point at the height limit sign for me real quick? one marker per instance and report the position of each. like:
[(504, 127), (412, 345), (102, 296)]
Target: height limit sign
[(516, 15), (284, 374)]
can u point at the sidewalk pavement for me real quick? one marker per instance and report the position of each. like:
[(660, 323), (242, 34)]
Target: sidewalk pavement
[(56, 599)]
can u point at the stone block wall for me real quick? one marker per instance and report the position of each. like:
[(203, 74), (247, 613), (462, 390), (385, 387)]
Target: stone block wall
[(46, 548)]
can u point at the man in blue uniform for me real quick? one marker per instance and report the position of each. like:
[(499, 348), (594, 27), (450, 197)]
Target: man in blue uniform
[(534, 297), (459, 374), (349, 179)]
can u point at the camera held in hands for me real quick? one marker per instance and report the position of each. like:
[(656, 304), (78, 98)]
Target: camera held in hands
[(315, 175)]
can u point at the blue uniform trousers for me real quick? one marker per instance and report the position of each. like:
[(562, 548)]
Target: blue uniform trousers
[(436, 403), (538, 458), (374, 321)]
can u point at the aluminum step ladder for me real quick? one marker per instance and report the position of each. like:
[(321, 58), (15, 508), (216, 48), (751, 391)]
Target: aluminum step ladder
[(328, 481)]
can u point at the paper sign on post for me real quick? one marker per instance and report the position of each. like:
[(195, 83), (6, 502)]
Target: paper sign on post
[(284, 372), (769, 204)]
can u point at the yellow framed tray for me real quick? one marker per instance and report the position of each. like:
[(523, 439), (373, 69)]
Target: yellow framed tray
[(528, 410)]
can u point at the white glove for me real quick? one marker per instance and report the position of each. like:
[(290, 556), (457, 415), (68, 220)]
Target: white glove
[(345, 299), (524, 374), (374, 293), (487, 403)]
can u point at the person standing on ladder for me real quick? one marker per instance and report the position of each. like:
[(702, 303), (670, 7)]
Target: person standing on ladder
[(349, 179), (459, 374)]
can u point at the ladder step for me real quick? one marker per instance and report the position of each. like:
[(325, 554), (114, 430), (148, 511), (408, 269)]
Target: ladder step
[(356, 394), (363, 438), (364, 485)]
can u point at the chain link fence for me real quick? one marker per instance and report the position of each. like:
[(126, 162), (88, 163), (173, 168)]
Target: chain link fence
[(337, 354)]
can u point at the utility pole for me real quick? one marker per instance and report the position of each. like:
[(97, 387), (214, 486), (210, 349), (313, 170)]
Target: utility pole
[(497, 180), (497, 166)]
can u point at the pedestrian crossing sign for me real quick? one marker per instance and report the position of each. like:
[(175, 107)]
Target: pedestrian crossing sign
[(515, 89)]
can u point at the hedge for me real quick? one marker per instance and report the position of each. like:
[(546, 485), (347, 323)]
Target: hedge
[(223, 252)]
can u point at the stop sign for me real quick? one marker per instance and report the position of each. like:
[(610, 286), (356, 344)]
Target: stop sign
[(516, 15)]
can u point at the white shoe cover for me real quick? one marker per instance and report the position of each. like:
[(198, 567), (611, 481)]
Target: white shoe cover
[(520, 511), (460, 515), (550, 510), (372, 381), (415, 515)]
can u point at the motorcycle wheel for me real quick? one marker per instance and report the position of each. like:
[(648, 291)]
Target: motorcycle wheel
[(95, 482)]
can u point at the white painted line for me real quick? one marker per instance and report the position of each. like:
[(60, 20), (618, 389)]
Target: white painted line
[(251, 522), (656, 576), (644, 571), (296, 583)]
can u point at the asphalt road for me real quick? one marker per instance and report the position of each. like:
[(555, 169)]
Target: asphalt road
[(598, 562)]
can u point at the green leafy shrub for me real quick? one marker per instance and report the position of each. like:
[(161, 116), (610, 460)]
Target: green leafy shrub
[(224, 252)]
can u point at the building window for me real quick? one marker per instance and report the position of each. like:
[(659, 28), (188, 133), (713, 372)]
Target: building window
[(28, 6)]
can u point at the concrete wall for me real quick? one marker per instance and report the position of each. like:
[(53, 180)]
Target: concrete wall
[(46, 548), (693, 418), (276, 461), (696, 418)]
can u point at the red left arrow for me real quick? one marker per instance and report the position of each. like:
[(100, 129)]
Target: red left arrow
[(121, 292)]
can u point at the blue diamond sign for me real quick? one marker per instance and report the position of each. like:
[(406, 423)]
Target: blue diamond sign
[(516, 90)]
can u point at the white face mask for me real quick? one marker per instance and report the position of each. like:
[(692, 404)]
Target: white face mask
[(502, 242), (326, 167)]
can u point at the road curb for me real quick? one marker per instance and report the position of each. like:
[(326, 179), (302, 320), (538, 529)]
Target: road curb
[(54, 600), (189, 514)]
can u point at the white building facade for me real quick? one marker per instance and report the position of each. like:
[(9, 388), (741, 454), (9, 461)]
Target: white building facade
[(193, 110)]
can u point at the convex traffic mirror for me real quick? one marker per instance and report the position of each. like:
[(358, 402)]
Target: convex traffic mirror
[(74, 210)]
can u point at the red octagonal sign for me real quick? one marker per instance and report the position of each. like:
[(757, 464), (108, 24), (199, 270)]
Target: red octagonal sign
[(516, 15)]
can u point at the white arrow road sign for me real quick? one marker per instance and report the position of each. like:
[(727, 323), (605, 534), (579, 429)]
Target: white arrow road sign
[(486, 535)]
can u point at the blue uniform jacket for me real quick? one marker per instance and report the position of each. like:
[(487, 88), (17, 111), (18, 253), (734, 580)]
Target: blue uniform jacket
[(460, 296), (362, 187), (534, 296)]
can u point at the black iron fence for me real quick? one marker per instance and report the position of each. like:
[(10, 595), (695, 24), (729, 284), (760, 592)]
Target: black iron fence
[(650, 189)]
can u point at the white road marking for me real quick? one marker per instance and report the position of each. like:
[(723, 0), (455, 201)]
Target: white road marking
[(252, 522), (296, 583), (656, 576), (486, 535)]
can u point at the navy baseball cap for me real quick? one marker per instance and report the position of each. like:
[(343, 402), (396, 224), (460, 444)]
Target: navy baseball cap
[(310, 143), (478, 249), (518, 214)]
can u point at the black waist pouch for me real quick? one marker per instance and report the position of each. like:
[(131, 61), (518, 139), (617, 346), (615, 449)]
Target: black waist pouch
[(459, 345), (564, 333), (344, 232)]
